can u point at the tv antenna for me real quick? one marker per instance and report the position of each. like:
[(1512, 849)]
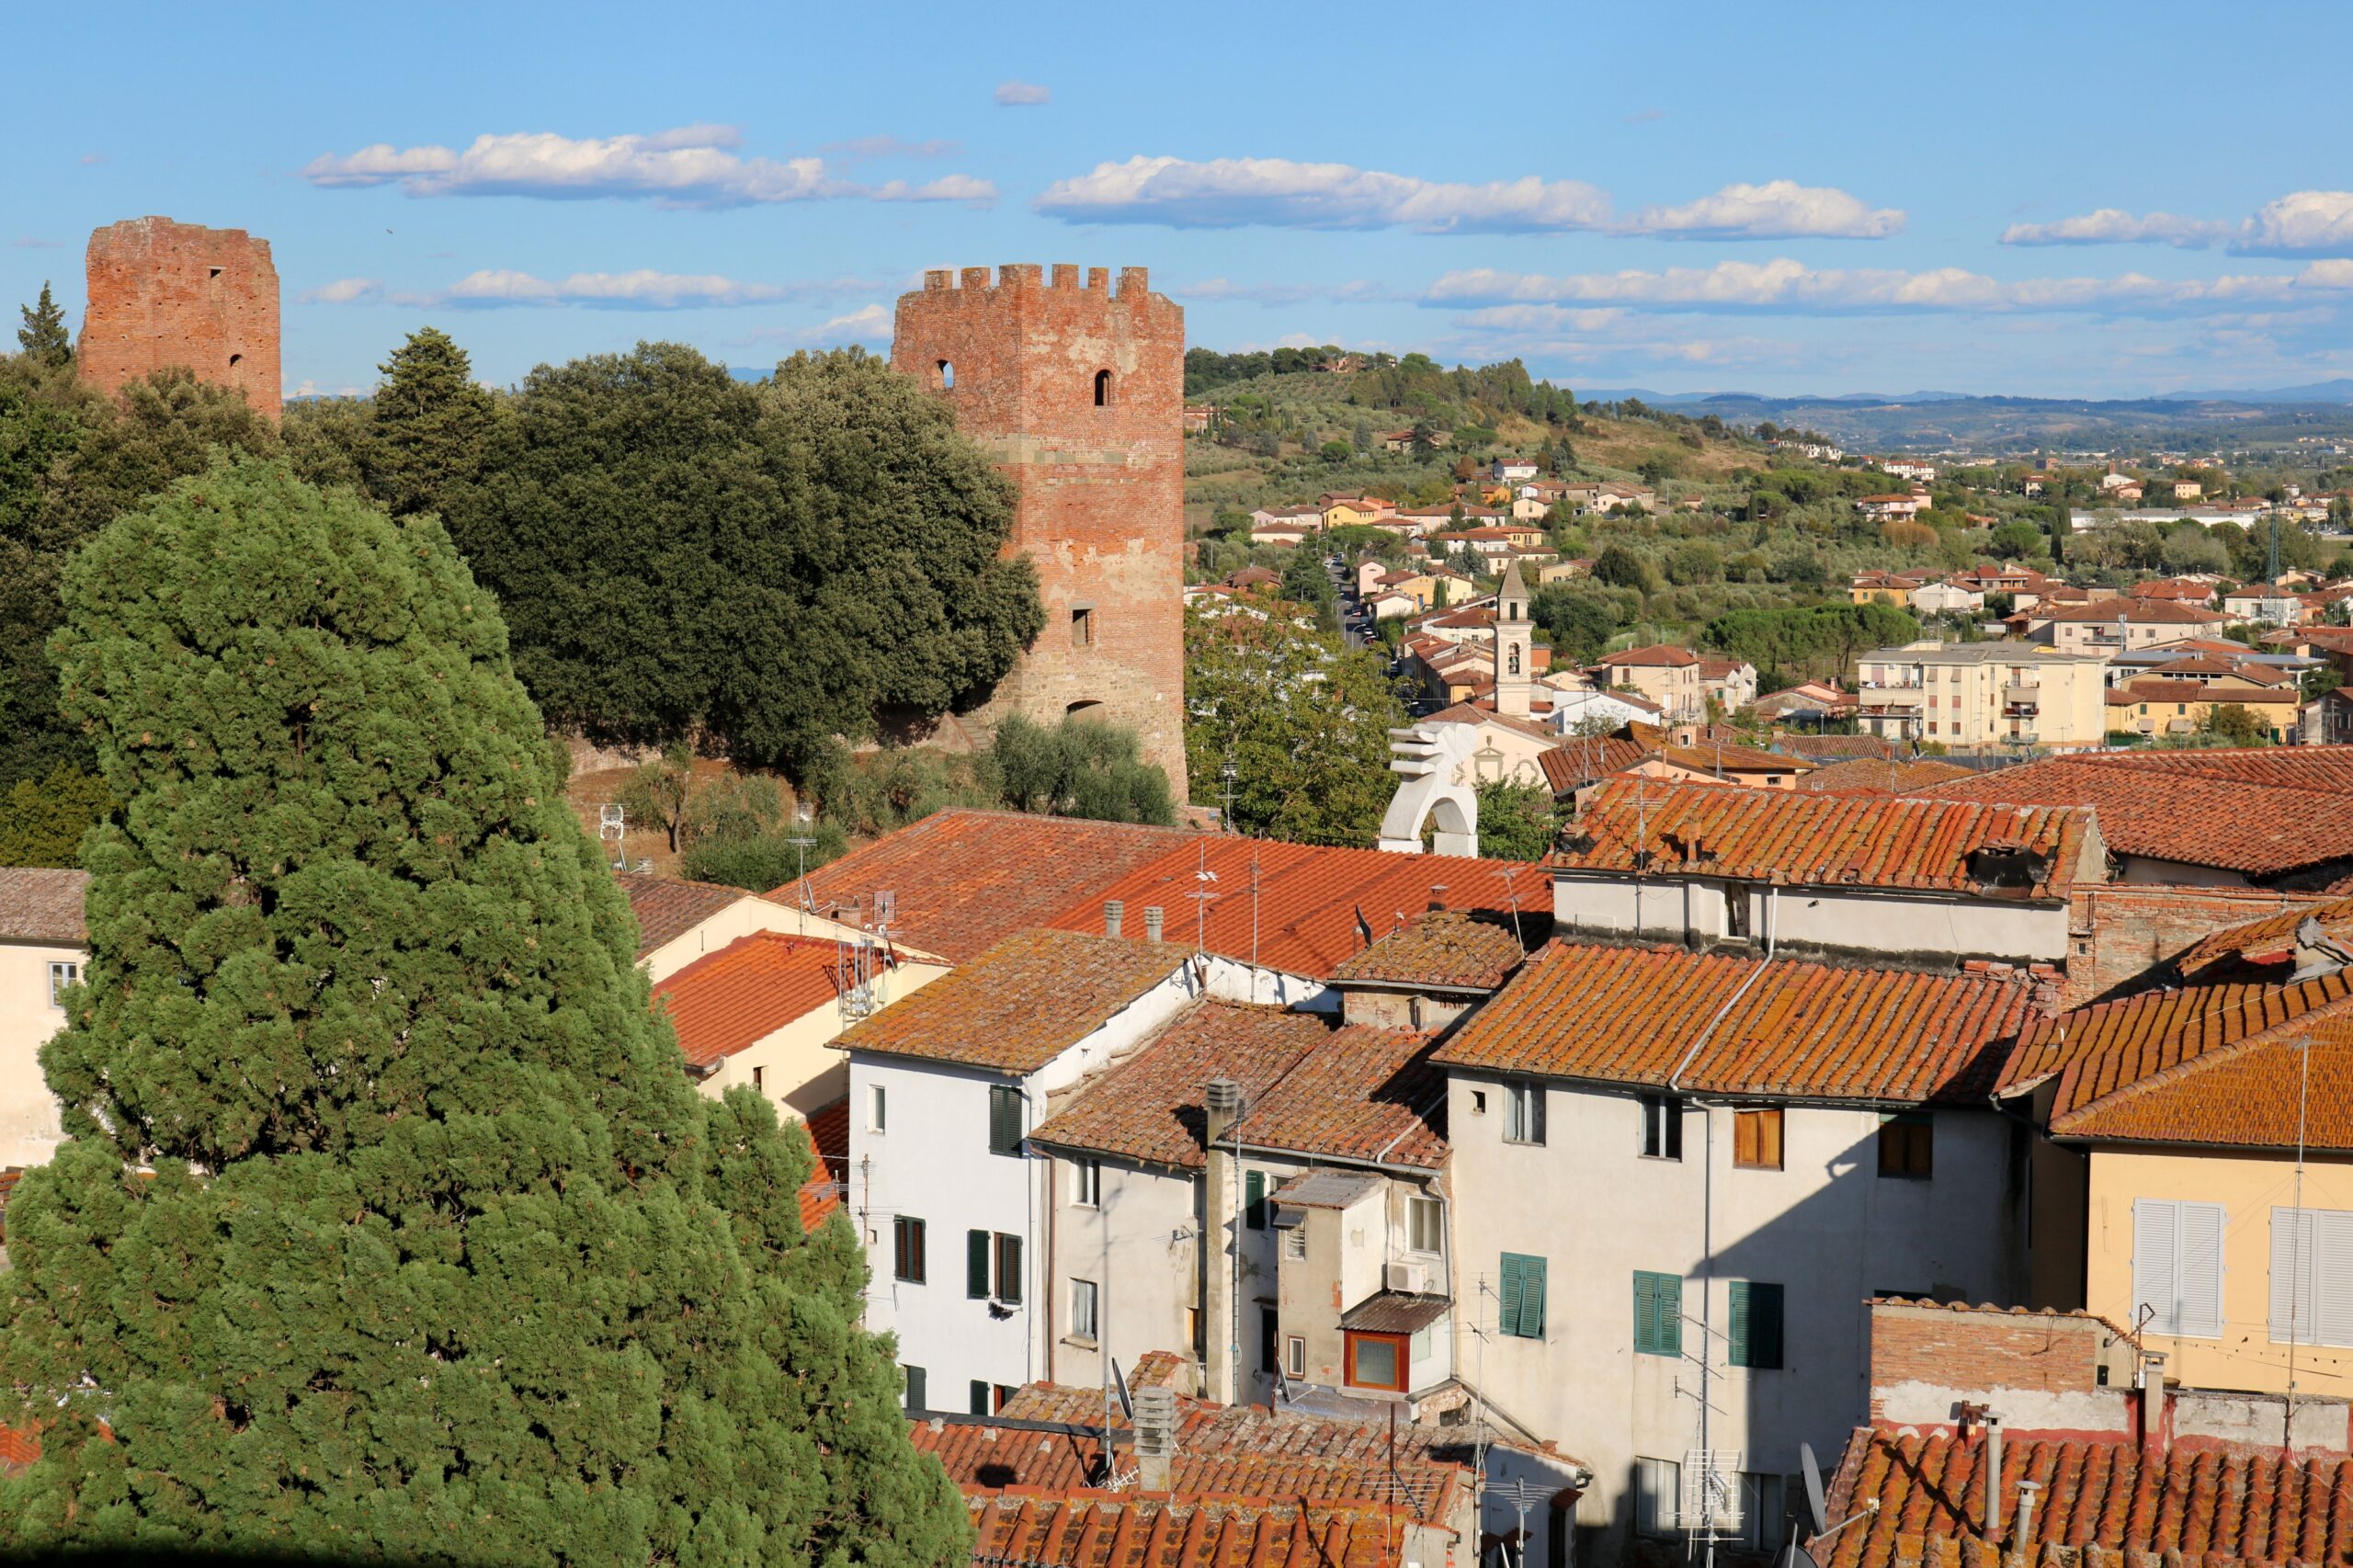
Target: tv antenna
[(612, 827)]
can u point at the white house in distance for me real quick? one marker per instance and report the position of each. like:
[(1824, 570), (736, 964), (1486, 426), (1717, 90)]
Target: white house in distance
[(43, 944), (1677, 1178), (945, 1087)]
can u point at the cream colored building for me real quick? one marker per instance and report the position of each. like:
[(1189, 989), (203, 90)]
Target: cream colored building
[(1983, 693), (43, 944)]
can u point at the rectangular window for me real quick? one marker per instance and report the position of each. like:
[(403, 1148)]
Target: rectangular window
[(876, 1103), (1907, 1145), (1763, 1514), (976, 1264), (1377, 1361), (1661, 1127), (2177, 1267), (1425, 1229), (1658, 1313), (1254, 1199), (1004, 1119), (2312, 1276), (1003, 1397), (1756, 1138), (1295, 1242), (1755, 1327), (1008, 1270), (759, 1080), (61, 975), (1086, 1183), (1082, 1310), (1520, 1312), (912, 1378), (1658, 1489), (907, 1249), (1294, 1357), (1270, 1326), (1523, 1113), (1082, 627)]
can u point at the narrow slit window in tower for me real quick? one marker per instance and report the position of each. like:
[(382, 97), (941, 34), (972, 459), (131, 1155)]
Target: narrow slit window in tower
[(947, 373), (1102, 389), (1082, 626)]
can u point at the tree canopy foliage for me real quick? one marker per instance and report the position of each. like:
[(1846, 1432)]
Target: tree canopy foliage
[(415, 1241), (1810, 640)]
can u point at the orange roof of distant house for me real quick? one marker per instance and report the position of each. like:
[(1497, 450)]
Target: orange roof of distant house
[(1804, 839), (1449, 949), (1881, 775), (1148, 1106), (1573, 764), (39, 904), (1646, 1016), (747, 991), (1021, 1004), (1362, 1093), (828, 1132), (2155, 689), (1665, 655), (2174, 588), (1714, 756), (1133, 1529), (2139, 612), (2267, 941)]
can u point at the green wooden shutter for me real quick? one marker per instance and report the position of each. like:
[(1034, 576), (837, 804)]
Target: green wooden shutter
[(1670, 1313), (1738, 1328), (980, 1392), (1254, 1199), (915, 1391), (1658, 1313), (1646, 1314), (1507, 1295), (1005, 1119), (1532, 1298), (976, 1263)]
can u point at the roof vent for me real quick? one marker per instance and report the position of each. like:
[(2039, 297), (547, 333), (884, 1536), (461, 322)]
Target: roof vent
[(1438, 897), (1156, 1421), (1113, 910)]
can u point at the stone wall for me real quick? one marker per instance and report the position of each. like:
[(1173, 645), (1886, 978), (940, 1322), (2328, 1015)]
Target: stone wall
[(2119, 931), (1077, 393), (164, 294)]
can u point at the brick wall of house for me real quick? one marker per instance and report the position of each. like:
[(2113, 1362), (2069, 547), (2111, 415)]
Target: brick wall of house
[(2121, 931), (164, 294), (1101, 510), (1983, 1348)]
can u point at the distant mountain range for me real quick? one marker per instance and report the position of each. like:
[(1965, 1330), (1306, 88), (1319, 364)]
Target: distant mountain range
[(2339, 391)]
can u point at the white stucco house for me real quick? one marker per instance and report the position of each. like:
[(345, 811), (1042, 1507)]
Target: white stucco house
[(43, 945)]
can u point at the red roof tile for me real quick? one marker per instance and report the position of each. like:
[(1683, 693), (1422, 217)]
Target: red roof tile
[(1021, 1004), (1362, 1094), (1148, 1106), (749, 989), (2210, 1507), (1875, 776), (19, 1447), (37, 904), (1715, 755), (1798, 839), (2140, 612), (964, 881), (2269, 942), (1572, 764), (1746, 1026), (1131, 1529), (828, 1132), (1448, 949), (1664, 654), (667, 908)]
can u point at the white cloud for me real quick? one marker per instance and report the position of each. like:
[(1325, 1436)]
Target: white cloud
[(1016, 95), (345, 291), (694, 165), (1231, 192), (29, 242), (2308, 223), (1787, 286), (2113, 226), (1776, 209)]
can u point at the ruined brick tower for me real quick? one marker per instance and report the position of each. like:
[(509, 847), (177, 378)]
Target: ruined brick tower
[(1079, 395), (165, 293)]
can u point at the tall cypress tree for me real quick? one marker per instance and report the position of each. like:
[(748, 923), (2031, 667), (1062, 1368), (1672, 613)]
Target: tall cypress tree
[(432, 424), (43, 336), (388, 1223)]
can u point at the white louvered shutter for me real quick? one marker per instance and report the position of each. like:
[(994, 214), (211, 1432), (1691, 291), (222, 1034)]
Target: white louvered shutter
[(2200, 1265), (2331, 1297), (2156, 1281), (2292, 1276)]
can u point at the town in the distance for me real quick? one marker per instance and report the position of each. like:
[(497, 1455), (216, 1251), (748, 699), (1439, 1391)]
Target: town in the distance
[(1285, 957)]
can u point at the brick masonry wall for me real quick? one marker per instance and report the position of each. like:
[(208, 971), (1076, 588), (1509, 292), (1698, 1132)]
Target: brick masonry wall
[(1942, 1347), (2119, 931), (165, 294), (1102, 488)]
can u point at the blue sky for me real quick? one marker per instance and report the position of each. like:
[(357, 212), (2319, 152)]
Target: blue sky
[(2050, 199)]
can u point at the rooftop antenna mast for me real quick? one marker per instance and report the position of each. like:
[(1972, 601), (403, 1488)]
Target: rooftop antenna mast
[(612, 827), (1201, 895), (800, 840)]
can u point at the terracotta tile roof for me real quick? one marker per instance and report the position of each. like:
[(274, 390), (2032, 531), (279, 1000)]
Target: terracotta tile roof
[(2254, 1095), (1574, 764), (2156, 689), (1148, 1106), (1709, 757), (1746, 1026), (1021, 1004), (2235, 813), (2201, 664), (1465, 713), (747, 991), (2139, 612), (828, 1132), (1449, 949), (2210, 1507), (37, 904), (2268, 943), (1806, 839), (1872, 775), (667, 908), (964, 881), (1829, 747), (1362, 1094), (1131, 1529), (19, 1447), (1664, 654), (1314, 907)]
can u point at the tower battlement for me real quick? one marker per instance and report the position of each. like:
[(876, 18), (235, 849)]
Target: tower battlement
[(1030, 275)]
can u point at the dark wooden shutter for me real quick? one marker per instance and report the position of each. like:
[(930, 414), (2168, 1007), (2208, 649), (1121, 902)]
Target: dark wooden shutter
[(1008, 1270), (976, 1263), (1254, 1199), (1005, 1119), (916, 1394)]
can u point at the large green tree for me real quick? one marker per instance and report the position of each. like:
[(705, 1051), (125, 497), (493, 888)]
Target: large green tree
[(681, 553), (43, 336), (388, 1223)]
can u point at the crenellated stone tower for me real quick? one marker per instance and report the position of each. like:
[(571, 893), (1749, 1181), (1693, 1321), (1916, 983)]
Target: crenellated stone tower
[(1077, 393), (162, 293)]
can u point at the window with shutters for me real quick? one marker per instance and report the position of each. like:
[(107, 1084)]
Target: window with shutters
[(2177, 1267), (1907, 1145), (1523, 1113), (912, 1378), (978, 1390), (1008, 1270), (977, 1258), (907, 1249), (1658, 1313), (1520, 1287), (1254, 1199), (1004, 1119), (1661, 1127), (1295, 1356), (2312, 1277), (1756, 1138), (1270, 1325), (1756, 1326)]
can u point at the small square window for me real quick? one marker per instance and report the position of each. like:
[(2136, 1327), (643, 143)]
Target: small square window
[(1294, 1357), (1756, 1138), (1377, 1361), (1086, 1183), (61, 975), (1661, 1127), (1907, 1145)]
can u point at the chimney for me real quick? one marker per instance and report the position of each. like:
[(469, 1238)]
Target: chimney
[(1155, 1436), (1112, 911), (1152, 923), (1221, 1107), (1438, 897), (1993, 1513), (2149, 1379), (2025, 1534)]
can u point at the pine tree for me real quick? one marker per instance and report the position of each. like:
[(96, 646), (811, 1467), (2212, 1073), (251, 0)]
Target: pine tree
[(43, 336), (432, 424), (388, 1223)]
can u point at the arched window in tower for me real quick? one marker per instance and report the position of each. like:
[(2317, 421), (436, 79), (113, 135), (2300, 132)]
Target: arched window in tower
[(1511, 659), (1102, 389), (947, 374)]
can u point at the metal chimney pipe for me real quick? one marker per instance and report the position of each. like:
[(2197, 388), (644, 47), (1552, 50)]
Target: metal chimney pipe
[(1992, 1510), (2025, 1536), (1152, 923), (1113, 911)]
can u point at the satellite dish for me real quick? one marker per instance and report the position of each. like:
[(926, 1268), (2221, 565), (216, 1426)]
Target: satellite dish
[(1119, 1381), (1798, 1557), (1817, 1509)]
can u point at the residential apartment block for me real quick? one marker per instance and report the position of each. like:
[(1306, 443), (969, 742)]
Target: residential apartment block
[(1983, 693)]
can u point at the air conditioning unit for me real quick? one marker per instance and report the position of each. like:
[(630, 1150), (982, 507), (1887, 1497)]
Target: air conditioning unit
[(1408, 1279)]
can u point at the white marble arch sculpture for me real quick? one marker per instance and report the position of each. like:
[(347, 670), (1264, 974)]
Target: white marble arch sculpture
[(1433, 762)]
